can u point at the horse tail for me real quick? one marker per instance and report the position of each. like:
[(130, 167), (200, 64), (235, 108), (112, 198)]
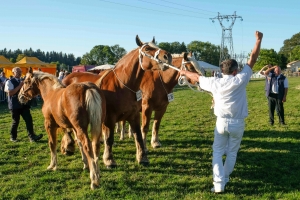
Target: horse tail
[(94, 108)]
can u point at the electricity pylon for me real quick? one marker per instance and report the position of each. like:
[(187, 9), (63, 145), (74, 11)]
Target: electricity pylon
[(226, 50)]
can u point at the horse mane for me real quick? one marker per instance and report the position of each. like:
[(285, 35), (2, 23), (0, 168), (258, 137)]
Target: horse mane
[(38, 75), (151, 44), (177, 55), (198, 68), (124, 57)]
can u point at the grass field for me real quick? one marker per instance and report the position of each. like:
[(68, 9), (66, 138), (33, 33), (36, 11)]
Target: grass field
[(268, 163)]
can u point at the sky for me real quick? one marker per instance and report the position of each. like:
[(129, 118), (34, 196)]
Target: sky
[(73, 26)]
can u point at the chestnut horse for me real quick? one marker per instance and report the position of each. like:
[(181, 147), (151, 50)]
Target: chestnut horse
[(121, 87), (157, 90), (76, 106)]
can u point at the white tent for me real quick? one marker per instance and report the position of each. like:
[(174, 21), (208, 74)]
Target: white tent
[(208, 67), (102, 67)]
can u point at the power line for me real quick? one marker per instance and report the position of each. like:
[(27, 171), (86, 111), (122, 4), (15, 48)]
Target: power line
[(188, 6), (173, 7), (152, 9)]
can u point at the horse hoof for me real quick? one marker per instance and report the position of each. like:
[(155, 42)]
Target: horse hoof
[(93, 186), (156, 145), (51, 168), (69, 153), (144, 163), (111, 166)]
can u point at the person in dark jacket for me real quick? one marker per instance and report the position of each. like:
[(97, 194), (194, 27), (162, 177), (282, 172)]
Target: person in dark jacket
[(276, 92), (12, 87)]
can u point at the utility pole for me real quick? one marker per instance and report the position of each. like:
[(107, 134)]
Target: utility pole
[(226, 50)]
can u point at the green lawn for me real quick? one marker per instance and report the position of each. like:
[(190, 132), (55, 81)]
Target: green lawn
[(268, 164)]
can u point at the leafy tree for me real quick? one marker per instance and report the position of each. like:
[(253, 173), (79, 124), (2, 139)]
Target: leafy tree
[(118, 52), (289, 45), (87, 59), (20, 57), (165, 46), (295, 53), (173, 48), (99, 55), (267, 56), (205, 51)]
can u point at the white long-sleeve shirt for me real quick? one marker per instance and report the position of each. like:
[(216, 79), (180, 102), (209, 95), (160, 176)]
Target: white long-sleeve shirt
[(229, 93)]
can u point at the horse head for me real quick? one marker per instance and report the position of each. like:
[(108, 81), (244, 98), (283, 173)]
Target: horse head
[(29, 88), (151, 57), (190, 63)]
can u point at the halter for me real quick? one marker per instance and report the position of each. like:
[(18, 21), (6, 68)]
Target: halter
[(141, 53), (183, 67), (182, 80), (29, 88)]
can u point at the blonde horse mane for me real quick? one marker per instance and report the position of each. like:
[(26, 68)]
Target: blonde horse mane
[(39, 76), (195, 63)]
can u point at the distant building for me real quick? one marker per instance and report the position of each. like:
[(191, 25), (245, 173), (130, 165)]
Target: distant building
[(293, 66)]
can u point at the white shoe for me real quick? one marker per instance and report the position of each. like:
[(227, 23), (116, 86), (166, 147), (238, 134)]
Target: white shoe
[(216, 191)]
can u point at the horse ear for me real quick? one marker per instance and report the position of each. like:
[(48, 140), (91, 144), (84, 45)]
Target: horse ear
[(153, 40), (30, 70), (138, 41), (185, 55)]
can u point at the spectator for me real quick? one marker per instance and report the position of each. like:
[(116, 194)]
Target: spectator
[(276, 92), (12, 87), (61, 75)]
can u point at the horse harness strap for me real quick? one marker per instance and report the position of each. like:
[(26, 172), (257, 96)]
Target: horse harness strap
[(149, 56), (138, 94)]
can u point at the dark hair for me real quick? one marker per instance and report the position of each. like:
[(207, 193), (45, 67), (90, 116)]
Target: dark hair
[(228, 66)]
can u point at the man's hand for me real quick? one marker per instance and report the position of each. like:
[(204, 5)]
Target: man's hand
[(258, 35)]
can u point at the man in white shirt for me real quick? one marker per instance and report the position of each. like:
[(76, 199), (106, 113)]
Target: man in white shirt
[(231, 108)]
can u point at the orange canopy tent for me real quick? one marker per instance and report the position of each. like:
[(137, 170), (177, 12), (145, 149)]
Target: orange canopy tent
[(4, 62), (32, 62)]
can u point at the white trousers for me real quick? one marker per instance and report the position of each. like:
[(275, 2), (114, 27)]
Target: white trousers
[(227, 139)]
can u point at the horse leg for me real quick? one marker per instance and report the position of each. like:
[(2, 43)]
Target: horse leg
[(141, 154), (156, 123), (130, 132), (96, 141), (108, 134), (83, 156), (146, 117), (67, 143), (121, 128), (51, 129), (89, 150)]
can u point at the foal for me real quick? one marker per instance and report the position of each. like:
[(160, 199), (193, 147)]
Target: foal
[(74, 107)]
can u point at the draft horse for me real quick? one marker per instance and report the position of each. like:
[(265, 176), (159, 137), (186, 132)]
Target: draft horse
[(157, 88), (121, 87), (74, 107)]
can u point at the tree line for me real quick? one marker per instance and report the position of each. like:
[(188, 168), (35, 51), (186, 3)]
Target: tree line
[(58, 58), (204, 51)]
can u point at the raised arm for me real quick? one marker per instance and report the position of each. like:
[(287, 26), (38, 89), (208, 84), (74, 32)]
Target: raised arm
[(266, 73), (255, 50), (262, 71)]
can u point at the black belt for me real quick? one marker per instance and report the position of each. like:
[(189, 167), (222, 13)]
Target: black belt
[(273, 95)]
